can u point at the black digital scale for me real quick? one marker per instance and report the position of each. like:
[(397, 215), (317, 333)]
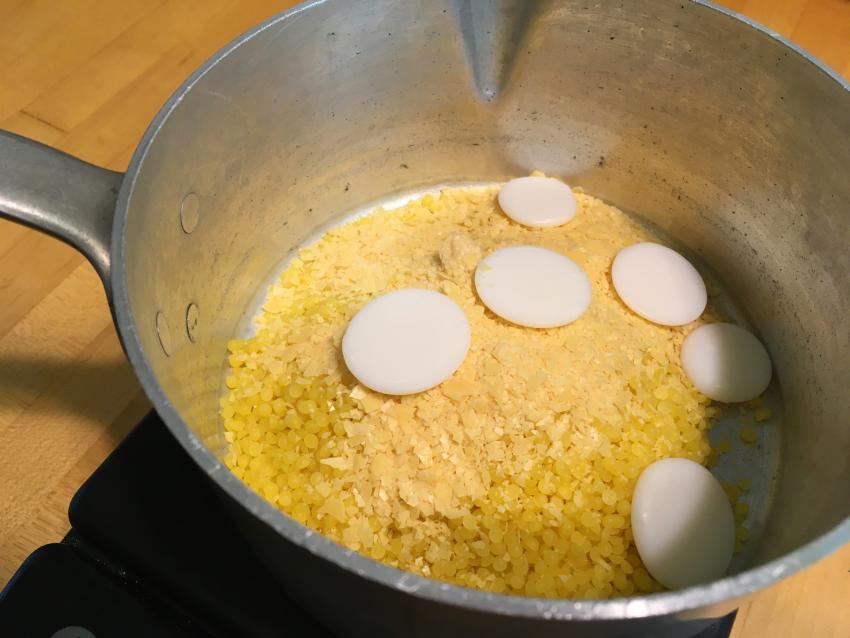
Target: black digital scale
[(151, 553)]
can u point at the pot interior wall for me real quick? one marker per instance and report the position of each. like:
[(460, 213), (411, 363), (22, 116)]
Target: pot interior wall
[(726, 140)]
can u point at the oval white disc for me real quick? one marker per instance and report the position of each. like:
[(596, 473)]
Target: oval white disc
[(683, 524), (659, 284), (726, 363), (532, 286), (406, 341), (539, 202)]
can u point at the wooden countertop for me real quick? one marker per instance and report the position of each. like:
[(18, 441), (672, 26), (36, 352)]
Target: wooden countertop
[(87, 76)]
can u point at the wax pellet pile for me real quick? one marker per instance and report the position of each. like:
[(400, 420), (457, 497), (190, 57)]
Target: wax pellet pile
[(516, 474)]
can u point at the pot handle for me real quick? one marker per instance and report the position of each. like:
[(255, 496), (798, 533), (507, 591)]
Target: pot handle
[(60, 195)]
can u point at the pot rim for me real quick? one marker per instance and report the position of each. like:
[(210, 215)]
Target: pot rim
[(673, 602)]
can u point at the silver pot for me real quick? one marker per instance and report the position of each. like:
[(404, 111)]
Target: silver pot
[(719, 132)]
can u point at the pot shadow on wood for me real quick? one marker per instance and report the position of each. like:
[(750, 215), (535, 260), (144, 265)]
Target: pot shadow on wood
[(95, 392)]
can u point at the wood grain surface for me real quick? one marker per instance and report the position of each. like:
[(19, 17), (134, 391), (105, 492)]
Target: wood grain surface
[(86, 76)]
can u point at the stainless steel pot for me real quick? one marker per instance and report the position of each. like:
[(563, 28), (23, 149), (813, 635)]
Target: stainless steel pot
[(719, 132)]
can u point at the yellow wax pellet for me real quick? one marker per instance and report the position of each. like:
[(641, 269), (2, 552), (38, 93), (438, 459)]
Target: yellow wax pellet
[(762, 414), (748, 436), (744, 484)]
